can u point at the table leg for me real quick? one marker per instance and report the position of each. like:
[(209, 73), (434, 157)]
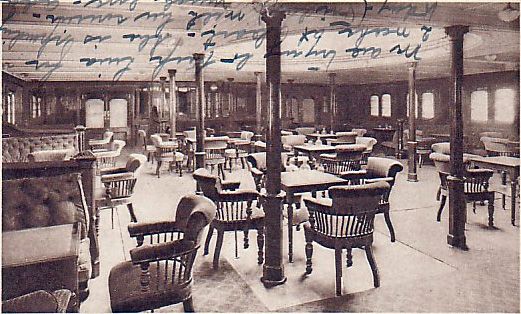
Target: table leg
[(290, 228), (513, 186)]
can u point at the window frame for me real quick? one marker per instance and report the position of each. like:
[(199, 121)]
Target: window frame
[(486, 89)]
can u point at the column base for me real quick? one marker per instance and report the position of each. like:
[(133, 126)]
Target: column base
[(273, 276), (412, 177), (458, 242)]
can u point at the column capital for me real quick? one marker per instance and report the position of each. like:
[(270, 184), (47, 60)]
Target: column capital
[(412, 65), (162, 78), (230, 79), (331, 74), (332, 77), (456, 32), (272, 16), (257, 73), (198, 57), (291, 81), (172, 72)]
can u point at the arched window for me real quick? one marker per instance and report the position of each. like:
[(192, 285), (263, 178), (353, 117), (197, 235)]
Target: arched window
[(386, 105), (504, 107), (479, 105), (427, 105), (375, 104)]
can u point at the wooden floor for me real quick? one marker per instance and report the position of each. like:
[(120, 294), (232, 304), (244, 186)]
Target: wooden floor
[(419, 272)]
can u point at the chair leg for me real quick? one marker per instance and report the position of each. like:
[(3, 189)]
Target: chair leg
[(236, 246), (180, 168), (309, 255), (438, 193), (389, 225), (243, 163), (246, 238), (349, 257), (338, 271), (188, 305), (491, 211), (133, 217), (372, 263), (220, 170), (112, 217), (218, 247), (260, 245), (474, 207), (159, 162), (208, 239), (442, 204)]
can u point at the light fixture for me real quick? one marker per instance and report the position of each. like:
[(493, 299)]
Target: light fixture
[(213, 87), (508, 14)]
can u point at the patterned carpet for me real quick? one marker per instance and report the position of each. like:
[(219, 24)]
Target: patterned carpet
[(221, 290)]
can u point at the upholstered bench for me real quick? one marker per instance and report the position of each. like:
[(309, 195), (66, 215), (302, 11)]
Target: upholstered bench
[(18, 149)]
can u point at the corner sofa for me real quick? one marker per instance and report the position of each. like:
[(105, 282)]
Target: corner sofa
[(18, 149)]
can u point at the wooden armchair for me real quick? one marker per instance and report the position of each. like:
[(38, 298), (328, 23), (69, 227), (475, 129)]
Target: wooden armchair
[(107, 158), (167, 151), (148, 150), (378, 169), (345, 221), (497, 146), (215, 148), (369, 143), (102, 144), (345, 158), (160, 273), (119, 185), (236, 211), (476, 183), (239, 148), (343, 138)]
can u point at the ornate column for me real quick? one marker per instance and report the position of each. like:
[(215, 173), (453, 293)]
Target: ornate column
[(457, 204), (273, 269), (173, 102), (411, 142), (162, 103), (258, 102), (231, 105), (200, 104), (332, 101)]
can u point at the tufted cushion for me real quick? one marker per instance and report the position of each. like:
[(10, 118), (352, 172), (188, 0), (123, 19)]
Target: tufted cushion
[(17, 149), (40, 202)]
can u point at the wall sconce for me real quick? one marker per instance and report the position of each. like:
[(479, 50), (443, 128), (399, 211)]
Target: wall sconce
[(214, 87), (508, 14)]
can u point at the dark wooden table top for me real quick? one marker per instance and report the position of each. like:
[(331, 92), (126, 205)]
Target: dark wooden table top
[(308, 180)]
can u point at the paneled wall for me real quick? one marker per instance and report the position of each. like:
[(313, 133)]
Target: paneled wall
[(231, 105)]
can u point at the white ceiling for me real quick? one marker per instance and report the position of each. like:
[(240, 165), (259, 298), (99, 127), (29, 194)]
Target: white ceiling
[(60, 48)]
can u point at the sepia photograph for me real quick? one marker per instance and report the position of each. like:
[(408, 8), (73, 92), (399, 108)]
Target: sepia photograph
[(260, 156)]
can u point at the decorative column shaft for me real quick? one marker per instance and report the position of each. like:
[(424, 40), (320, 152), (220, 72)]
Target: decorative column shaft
[(411, 142), (273, 269), (258, 102), (163, 99), (173, 102), (80, 138), (332, 102), (199, 81), (457, 204), (231, 105)]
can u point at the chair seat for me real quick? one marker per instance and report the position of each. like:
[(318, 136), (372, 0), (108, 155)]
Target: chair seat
[(177, 156), (129, 297), (150, 148), (299, 215)]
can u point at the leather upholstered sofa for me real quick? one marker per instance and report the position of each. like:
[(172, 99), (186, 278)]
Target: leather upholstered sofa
[(18, 149)]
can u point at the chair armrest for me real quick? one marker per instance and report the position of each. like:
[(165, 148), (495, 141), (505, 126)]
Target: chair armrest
[(354, 174), (318, 202), (160, 251), (230, 185), (390, 180), (478, 172), (146, 228), (256, 172), (116, 170), (117, 177), (239, 195)]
